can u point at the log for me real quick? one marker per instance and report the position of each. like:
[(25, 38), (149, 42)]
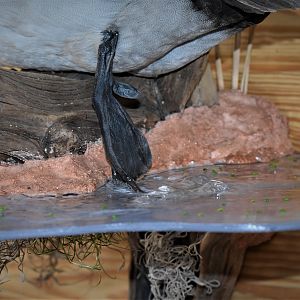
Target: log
[(49, 115), (42, 112)]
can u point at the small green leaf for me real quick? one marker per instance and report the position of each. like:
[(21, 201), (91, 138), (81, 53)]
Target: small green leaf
[(273, 165), (200, 214), (282, 211), (3, 208), (50, 215), (114, 217), (104, 206), (285, 199), (220, 209), (214, 172), (254, 173)]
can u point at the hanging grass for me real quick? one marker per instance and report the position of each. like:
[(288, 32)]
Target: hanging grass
[(75, 249)]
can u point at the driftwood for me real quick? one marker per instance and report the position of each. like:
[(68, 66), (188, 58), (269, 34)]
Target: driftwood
[(46, 115)]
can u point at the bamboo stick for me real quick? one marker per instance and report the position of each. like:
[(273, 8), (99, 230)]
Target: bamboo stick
[(236, 61), (219, 70), (246, 69)]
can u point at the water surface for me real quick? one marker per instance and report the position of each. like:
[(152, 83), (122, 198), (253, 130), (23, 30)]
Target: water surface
[(223, 198)]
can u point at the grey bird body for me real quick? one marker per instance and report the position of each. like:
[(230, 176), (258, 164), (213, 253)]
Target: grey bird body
[(156, 36)]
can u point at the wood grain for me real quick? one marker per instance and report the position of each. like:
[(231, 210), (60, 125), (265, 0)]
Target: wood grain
[(272, 270), (222, 259), (71, 282)]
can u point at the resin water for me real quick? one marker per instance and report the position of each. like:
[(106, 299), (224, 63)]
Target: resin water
[(222, 198)]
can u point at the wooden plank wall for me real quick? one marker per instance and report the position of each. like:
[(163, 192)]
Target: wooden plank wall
[(271, 271), (70, 282)]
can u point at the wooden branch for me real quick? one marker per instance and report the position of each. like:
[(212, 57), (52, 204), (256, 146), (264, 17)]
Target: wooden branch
[(37, 106)]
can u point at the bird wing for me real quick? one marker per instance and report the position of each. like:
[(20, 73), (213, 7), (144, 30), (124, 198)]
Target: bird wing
[(262, 6)]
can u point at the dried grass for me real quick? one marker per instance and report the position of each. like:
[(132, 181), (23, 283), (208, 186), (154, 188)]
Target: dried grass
[(75, 249)]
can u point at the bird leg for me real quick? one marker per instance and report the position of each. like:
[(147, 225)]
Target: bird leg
[(126, 149)]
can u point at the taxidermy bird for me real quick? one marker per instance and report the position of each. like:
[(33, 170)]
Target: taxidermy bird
[(146, 38)]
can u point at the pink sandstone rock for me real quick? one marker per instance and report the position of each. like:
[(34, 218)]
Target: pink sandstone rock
[(241, 129)]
